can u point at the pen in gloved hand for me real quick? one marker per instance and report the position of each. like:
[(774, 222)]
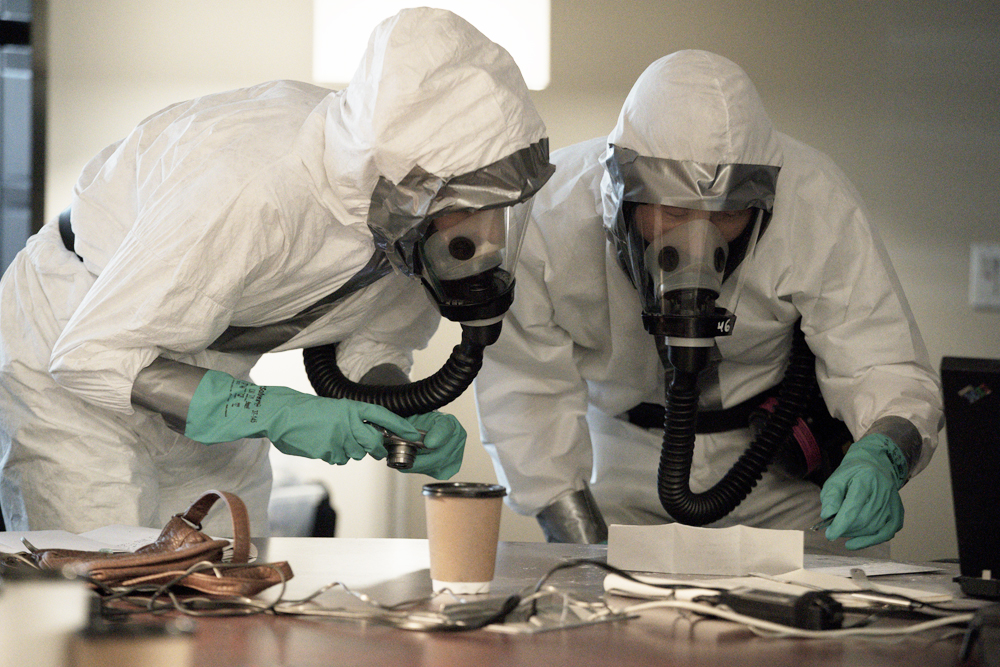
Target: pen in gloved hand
[(824, 523)]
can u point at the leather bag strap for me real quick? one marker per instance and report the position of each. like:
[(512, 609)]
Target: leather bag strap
[(243, 581), (237, 510)]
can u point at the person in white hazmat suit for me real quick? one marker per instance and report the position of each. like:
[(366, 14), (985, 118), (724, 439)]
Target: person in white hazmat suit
[(266, 218), (563, 394)]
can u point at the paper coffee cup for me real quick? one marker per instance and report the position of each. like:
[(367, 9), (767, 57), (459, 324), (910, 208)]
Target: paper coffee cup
[(463, 528)]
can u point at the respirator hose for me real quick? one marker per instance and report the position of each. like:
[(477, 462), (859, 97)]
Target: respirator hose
[(673, 475), (406, 400)]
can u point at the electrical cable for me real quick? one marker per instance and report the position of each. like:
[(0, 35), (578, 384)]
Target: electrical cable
[(779, 630), (466, 616)]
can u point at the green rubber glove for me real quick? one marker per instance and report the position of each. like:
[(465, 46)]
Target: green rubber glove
[(864, 493), (224, 409), (444, 442)]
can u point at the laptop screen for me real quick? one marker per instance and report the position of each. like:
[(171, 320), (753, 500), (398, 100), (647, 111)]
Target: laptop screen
[(972, 425)]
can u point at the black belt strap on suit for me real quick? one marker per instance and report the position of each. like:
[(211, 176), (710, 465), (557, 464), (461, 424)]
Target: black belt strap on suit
[(66, 232), (269, 336), (653, 415)]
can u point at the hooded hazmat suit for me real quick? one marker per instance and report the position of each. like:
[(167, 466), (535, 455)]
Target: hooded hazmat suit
[(239, 209), (574, 355)]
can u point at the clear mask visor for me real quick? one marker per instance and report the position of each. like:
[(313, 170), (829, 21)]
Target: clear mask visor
[(691, 256), (471, 255), (460, 245), (682, 257)]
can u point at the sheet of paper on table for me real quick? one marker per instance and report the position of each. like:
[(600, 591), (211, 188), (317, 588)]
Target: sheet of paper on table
[(796, 582), (758, 558), (115, 538), (679, 549), (842, 565), (109, 538)]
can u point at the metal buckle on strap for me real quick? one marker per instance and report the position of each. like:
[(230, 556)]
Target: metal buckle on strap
[(189, 522)]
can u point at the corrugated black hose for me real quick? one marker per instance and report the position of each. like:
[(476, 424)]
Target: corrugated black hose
[(414, 398), (673, 476)]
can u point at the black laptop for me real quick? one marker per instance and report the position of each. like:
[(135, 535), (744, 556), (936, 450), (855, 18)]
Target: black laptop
[(972, 425)]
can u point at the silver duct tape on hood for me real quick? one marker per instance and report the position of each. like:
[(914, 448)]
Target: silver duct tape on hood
[(640, 179), (400, 213), (687, 184)]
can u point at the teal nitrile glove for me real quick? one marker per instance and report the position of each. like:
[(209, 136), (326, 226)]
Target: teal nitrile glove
[(864, 493), (444, 442), (224, 409)]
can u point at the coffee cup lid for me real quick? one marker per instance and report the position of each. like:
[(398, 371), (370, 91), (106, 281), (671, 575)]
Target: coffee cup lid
[(465, 490)]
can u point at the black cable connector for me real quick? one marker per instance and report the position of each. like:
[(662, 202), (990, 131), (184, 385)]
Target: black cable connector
[(815, 610)]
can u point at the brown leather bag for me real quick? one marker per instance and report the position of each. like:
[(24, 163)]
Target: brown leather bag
[(180, 545)]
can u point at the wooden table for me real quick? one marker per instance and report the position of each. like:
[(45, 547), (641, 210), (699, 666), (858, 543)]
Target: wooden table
[(396, 570)]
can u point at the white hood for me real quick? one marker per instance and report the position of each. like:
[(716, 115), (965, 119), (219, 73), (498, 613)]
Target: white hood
[(699, 107), (431, 92), (692, 133)]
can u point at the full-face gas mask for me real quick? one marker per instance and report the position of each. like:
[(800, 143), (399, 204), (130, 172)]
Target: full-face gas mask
[(681, 231), (460, 237), (466, 261), (686, 260)]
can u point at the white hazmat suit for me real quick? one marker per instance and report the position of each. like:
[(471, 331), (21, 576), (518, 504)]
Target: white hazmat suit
[(238, 209), (574, 355)]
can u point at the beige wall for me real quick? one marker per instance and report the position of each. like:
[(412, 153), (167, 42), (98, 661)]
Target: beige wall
[(901, 94)]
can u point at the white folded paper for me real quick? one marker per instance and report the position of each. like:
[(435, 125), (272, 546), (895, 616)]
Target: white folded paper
[(678, 549)]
